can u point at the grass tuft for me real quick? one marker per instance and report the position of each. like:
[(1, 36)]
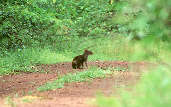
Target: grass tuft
[(88, 75)]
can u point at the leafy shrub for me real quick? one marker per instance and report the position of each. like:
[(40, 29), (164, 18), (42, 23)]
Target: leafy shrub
[(32, 22)]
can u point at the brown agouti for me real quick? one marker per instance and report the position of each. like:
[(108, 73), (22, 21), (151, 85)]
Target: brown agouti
[(79, 60)]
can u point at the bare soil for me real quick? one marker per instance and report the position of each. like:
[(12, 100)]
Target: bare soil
[(73, 94)]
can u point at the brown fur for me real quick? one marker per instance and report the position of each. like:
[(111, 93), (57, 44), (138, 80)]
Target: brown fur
[(79, 60)]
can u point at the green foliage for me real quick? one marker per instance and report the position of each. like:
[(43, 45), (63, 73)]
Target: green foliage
[(153, 91), (88, 75), (21, 25), (152, 18), (31, 22)]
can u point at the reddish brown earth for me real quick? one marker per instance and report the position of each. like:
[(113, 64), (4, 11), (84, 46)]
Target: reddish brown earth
[(73, 94)]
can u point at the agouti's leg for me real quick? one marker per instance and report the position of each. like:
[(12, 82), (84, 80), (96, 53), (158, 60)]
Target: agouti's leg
[(86, 64)]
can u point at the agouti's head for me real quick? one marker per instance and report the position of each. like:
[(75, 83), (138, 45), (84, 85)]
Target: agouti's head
[(88, 52)]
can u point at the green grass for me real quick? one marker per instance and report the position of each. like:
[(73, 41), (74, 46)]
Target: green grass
[(152, 91), (109, 48), (88, 75), (120, 48), (22, 60)]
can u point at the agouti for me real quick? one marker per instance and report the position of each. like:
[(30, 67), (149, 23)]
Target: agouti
[(79, 60)]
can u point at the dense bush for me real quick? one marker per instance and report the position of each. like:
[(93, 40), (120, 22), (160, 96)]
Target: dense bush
[(31, 22), (25, 23)]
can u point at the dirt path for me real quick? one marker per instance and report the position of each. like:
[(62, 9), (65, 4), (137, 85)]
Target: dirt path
[(73, 94)]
